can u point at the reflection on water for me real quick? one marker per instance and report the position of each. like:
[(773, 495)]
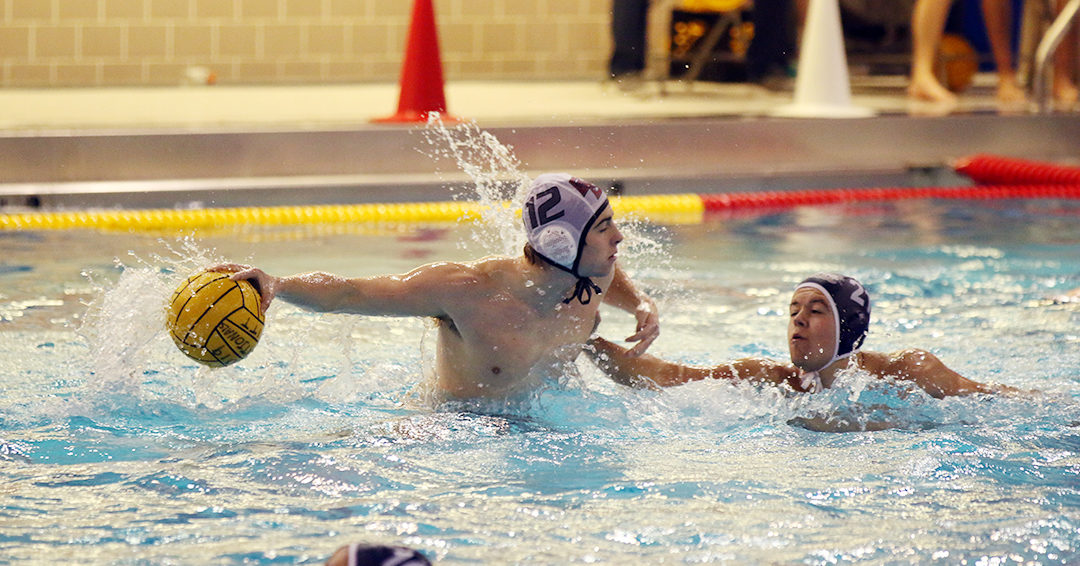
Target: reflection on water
[(118, 449)]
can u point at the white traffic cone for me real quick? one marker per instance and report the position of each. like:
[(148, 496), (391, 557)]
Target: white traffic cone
[(822, 87)]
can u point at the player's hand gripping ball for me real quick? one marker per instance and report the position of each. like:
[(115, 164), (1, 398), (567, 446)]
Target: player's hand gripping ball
[(213, 319)]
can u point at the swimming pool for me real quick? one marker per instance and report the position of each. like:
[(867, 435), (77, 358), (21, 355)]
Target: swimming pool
[(118, 450)]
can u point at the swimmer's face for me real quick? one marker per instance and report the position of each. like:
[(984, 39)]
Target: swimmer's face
[(601, 246), (811, 330)]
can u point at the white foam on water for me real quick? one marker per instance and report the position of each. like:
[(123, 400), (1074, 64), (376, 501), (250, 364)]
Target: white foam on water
[(133, 364)]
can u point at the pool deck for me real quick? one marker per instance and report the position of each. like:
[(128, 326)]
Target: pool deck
[(251, 146)]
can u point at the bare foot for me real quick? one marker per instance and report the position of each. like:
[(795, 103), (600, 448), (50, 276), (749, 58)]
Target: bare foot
[(1065, 94), (1010, 93), (930, 90)]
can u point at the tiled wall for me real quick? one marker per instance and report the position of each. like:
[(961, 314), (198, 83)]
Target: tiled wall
[(157, 42)]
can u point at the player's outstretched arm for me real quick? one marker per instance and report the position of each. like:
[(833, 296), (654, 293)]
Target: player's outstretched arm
[(421, 292), (932, 375)]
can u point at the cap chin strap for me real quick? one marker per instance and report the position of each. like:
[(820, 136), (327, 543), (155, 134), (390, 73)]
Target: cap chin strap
[(810, 381), (352, 554), (584, 289)]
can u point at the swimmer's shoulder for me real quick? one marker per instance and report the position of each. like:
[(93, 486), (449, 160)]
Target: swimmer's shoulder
[(891, 364), (455, 272), (494, 263), (899, 363), (780, 374), (763, 369), (492, 270), (467, 277), (457, 286)]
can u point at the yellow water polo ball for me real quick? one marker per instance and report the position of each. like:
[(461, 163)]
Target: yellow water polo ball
[(213, 319)]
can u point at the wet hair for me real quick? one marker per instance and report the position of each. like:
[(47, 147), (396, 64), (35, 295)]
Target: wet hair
[(531, 255)]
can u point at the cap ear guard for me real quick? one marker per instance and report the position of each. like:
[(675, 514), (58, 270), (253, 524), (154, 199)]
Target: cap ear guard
[(557, 244)]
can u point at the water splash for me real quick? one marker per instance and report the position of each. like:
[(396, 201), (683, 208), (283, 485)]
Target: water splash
[(639, 475), (123, 323), (132, 363), (133, 369), (498, 183), (112, 310), (10, 451)]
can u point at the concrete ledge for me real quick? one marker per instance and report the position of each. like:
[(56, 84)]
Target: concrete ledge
[(387, 163)]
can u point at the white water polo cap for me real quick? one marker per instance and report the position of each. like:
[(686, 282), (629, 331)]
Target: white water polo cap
[(558, 213)]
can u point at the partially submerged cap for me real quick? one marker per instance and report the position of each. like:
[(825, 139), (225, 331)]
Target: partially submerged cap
[(558, 213), (381, 555), (850, 305)]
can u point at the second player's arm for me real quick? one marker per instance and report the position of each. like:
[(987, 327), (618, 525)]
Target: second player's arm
[(623, 294), (649, 371)]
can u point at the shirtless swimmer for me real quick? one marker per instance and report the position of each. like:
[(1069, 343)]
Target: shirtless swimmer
[(829, 320), (502, 321)]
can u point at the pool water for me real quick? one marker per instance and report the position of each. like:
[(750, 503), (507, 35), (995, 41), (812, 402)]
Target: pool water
[(118, 450)]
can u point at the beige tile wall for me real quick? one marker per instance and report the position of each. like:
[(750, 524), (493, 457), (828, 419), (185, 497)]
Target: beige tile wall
[(157, 42)]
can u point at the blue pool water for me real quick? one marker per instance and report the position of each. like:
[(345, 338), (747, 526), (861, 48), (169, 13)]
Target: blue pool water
[(118, 450)]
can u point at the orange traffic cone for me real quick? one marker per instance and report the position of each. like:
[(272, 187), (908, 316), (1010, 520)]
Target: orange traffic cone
[(421, 74)]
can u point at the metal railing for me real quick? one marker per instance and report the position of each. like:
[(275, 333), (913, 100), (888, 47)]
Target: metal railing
[(1047, 47)]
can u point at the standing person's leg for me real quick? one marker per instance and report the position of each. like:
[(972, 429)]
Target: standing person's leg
[(997, 15), (927, 26), (628, 25)]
